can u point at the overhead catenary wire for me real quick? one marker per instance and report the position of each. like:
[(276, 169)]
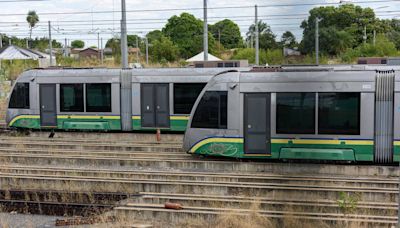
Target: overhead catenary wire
[(200, 8)]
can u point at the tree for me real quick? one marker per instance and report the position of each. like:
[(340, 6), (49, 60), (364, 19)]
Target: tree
[(288, 40), (228, 33), (115, 45), (132, 40), (77, 44), (186, 32), (154, 35), (266, 36), (32, 20), (164, 49), (343, 26)]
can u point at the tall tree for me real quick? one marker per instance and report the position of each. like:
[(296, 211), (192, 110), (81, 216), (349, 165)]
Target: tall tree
[(186, 32), (266, 36), (154, 35), (32, 20), (343, 26), (164, 50), (288, 40), (227, 33), (77, 44)]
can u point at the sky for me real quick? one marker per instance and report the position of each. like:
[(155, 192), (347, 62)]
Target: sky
[(84, 21)]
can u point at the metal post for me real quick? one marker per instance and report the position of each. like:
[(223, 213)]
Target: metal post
[(9, 41), (147, 50), (365, 34), (50, 45), (257, 37), (317, 41), (27, 44), (219, 40), (101, 51), (137, 49), (1, 41), (205, 32), (98, 41), (124, 38), (374, 37), (65, 48)]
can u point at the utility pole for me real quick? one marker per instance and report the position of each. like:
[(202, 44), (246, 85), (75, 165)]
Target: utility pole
[(124, 38), (257, 37), (317, 20), (219, 40), (101, 51), (137, 49), (147, 50), (98, 40), (374, 37), (65, 48), (50, 45), (365, 34), (205, 35)]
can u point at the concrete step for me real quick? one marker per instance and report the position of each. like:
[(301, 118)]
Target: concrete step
[(96, 154), (92, 146), (263, 218), (204, 164), (241, 178), (243, 202), (26, 139), (278, 191)]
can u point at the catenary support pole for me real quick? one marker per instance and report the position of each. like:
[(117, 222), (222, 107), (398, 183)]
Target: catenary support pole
[(317, 41), (101, 51), (124, 39), (50, 45), (147, 50), (257, 37), (205, 32)]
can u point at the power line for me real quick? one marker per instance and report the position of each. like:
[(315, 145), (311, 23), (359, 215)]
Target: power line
[(16, 1), (198, 8)]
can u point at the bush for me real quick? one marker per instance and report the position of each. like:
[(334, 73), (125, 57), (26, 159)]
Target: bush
[(382, 48)]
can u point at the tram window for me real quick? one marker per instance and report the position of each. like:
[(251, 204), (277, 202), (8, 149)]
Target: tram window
[(20, 96), (185, 94), (71, 98), (212, 111), (339, 113), (98, 97), (295, 113)]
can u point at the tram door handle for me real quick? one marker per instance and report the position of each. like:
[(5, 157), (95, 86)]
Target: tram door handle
[(249, 126)]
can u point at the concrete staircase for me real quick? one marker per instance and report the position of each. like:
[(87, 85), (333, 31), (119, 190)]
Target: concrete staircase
[(213, 192)]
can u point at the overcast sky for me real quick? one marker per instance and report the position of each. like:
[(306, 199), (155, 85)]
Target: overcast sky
[(89, 24)]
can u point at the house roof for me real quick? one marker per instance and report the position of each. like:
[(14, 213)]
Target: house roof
[(200, 57), (13, 52)]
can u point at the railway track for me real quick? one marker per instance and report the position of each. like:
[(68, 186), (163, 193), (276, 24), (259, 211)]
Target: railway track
[(154, 173)]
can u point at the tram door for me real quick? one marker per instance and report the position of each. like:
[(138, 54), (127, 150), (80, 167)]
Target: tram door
[(257, 133), (48, 107), (155, 105)]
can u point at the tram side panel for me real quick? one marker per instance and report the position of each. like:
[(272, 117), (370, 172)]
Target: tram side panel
[(346, 134), (396, 142), (84, 103)]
